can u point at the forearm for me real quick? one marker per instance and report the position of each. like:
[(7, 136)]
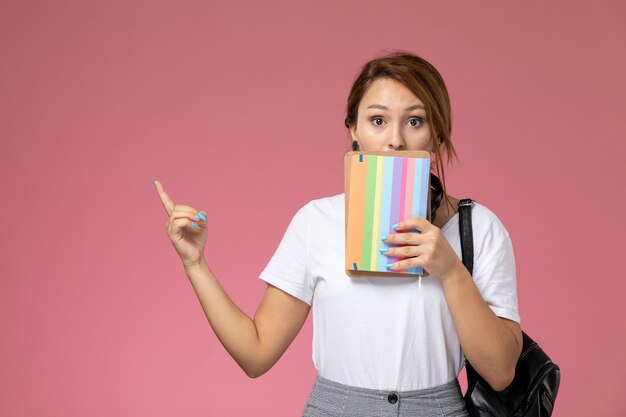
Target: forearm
[(234, 329), (487, 342)]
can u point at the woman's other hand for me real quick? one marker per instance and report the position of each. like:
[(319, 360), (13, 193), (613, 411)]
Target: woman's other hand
[(186, 228), (429, 249)]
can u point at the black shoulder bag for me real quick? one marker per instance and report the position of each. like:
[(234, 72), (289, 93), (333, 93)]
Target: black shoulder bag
[(536, 383)]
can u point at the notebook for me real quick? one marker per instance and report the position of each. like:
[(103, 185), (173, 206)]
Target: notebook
[(382, 188)]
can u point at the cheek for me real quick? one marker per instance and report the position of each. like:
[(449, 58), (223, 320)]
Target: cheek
[(367, 132), (421, 139)]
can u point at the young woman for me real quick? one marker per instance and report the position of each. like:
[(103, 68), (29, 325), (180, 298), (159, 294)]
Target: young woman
[(381, 346)]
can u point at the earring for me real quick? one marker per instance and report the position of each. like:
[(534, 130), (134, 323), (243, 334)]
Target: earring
[(355, 145)]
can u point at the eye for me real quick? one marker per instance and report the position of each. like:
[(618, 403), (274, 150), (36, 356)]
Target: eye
[(378, 121), (415, 121)]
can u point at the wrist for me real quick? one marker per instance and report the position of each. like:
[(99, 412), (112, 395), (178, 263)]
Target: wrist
[(454, 274), (194, 266)]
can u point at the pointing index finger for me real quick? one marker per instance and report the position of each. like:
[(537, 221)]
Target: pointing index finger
[(167, 202)]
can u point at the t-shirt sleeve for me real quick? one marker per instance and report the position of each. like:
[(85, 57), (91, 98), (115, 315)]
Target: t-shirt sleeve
[(494, 270), (288, 269)]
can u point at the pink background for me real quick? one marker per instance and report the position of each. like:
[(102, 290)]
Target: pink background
[(238, 109)]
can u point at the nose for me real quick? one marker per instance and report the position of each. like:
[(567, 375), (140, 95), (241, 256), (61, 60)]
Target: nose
[(396, 139)]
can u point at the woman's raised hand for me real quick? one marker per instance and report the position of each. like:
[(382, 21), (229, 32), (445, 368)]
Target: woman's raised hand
[(188, 240), (429, 249)]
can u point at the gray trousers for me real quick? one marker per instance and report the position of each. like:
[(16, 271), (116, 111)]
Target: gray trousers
[(332, 399)]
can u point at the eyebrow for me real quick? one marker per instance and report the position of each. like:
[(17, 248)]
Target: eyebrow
[(380, 106)]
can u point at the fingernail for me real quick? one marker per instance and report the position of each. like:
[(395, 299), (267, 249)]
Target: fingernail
[(200, 216), (389, 265), (153, 182), (195, 226), (383, 248), (395, 225), (383, 237)]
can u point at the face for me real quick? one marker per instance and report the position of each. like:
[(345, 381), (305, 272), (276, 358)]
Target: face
[(391, 118)]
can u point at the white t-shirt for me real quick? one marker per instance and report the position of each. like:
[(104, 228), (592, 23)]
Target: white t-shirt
[(385, 333)]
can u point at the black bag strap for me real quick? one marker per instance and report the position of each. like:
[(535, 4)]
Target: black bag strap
[(467, 236), (534, 370), (467, 252)]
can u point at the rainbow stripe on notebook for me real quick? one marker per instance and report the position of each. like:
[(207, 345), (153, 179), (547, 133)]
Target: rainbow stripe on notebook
[(381, 190)]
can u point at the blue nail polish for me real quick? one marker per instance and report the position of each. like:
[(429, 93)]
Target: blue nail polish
[(200, 216), (383, 237), (153, 183), (395, 225), (194, 225), (389, 265), (383, 248)]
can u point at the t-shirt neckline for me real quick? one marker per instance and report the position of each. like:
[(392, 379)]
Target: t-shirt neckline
[(449, 222)]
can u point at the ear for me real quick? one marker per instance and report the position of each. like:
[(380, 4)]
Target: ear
[(353, 132)]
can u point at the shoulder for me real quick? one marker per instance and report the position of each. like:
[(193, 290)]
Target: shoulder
[(318, 209), (329, 202), (330, 206), (486, 225)]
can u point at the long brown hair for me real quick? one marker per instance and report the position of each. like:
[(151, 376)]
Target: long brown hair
[(423, 80)]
